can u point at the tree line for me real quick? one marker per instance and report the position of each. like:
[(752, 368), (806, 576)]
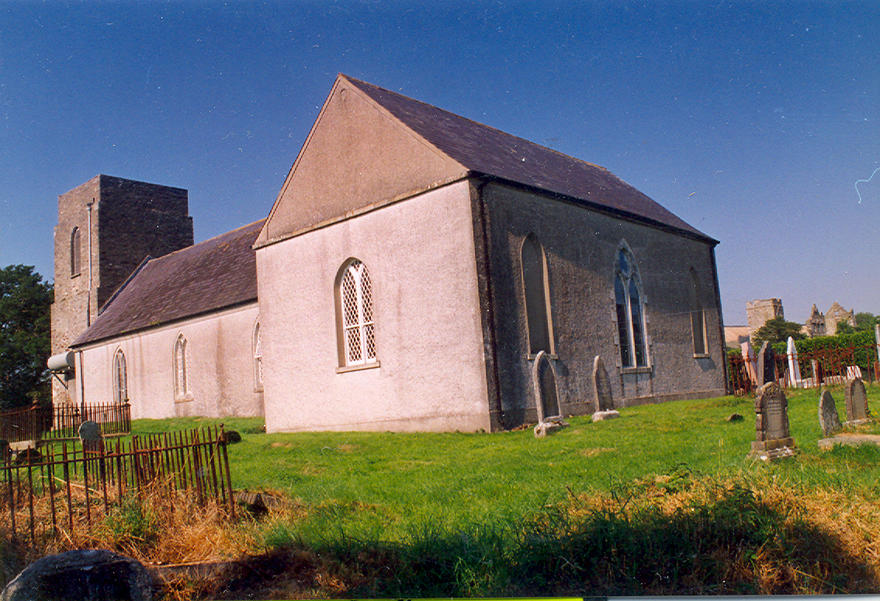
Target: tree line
[(25, 338)]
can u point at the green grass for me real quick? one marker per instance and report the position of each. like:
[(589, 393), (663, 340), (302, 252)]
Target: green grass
[(390, 487)]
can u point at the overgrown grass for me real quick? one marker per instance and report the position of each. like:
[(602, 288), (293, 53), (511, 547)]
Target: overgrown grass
[(383, 486), (662, 500)]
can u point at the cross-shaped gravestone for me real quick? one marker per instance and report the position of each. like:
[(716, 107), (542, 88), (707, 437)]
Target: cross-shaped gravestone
[(772, 437)]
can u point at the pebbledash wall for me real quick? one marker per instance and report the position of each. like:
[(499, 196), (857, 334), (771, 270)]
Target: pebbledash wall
[(581, 247), (222, 377), (429, 373)]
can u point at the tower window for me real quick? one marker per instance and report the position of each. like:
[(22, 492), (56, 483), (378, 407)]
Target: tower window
[(75, 252)]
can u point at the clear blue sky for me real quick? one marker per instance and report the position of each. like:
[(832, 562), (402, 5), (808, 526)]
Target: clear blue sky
[(752, 121)]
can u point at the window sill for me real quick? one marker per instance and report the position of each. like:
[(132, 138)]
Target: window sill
[(348, 368), (636, 370), (702, 356), (75, 275), (183, 399), (554, 356)]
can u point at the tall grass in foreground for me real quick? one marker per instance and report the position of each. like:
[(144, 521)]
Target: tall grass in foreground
[(681, 533), (662, 500)]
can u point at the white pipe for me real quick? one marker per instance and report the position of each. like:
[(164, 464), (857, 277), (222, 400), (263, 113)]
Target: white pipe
[(89, 296)]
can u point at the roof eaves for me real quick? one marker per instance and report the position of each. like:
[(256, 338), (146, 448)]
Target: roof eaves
[(159, 324), (599, 208)]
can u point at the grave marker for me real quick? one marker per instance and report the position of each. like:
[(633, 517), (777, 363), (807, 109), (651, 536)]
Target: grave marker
[(794, 368), (856, 400), (604, 401), (90, 435), (772, 437), (829, 421)]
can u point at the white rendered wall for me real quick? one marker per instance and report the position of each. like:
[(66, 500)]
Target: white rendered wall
[(431, 373), (220, 368)]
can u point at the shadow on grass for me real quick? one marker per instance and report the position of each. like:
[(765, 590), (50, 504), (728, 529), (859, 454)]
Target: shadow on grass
[(730, 542)]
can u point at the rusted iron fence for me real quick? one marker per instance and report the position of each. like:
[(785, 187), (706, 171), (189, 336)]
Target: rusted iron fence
[(820, 367), (71, 486), (61, 422)]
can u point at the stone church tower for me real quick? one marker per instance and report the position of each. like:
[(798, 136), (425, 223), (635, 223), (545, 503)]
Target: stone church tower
[(106, 228)]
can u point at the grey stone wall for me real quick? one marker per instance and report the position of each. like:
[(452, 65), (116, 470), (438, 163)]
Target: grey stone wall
[(581, 247), (129, 220)]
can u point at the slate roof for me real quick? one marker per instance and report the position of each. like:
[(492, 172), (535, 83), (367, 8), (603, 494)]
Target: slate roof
[(488, 151), (218, 273)]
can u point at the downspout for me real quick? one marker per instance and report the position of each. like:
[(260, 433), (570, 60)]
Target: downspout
[(89, 295), (82, 385), (495, 409)]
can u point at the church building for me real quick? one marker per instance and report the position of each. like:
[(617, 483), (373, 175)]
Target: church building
[(413, 269)]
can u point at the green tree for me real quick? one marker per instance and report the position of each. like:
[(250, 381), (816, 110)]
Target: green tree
[(844, 328), (865, 321), (777, 330), (24, 336)]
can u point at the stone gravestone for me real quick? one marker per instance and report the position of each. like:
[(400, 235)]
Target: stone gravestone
[(90, 436), (748, 355), (829, 421), (794, 368), (772, 437), (546, 399), (759, 365), (604, 403), (94, 575), (856, 402)]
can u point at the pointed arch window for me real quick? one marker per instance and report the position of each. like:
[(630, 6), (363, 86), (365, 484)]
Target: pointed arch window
[(698, 316), (75, 252), (120, 378), (630, 311), (354, 315), (536, 292), (181, 379), (258, 358)]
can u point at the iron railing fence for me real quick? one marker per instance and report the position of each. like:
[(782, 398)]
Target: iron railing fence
[(62, 422), (817, 368), (65, 486)]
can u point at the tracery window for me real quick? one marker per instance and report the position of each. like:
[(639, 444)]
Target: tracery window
[(629, 305), (181, 381), (354, 306), (75, 252), (537, 296), (120, 378), (258, 358), (698, 316)]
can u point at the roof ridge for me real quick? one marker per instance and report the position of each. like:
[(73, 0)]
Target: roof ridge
[(474, 121), (212, 238)]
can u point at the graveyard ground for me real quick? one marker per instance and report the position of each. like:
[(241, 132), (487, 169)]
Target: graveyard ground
[(663, 500)]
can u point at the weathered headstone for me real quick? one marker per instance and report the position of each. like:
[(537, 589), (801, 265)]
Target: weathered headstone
[(760, 364), (772, 437), (856, 400), (546, 400), (604, 403), (748, 355), (94, 575), (90, 435), (794, 368), (829, 421)]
